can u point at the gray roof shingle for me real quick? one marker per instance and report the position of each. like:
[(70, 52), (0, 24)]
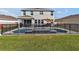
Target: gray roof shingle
[(37, 9)]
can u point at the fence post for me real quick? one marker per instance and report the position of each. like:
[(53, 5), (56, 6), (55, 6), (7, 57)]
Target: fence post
[(69, 28), (77, 28)]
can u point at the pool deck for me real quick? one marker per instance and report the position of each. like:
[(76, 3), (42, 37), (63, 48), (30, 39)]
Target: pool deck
[(69, 32)]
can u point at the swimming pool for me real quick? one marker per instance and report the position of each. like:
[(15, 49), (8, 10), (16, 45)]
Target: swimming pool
[(25, 31)]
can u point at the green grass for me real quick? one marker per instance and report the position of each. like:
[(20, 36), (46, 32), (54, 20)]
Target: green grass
[(40, 43)]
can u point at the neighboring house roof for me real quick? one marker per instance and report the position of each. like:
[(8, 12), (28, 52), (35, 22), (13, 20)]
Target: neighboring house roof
[(37, 9), (72, 19), (9, 22), (26, 17), (6, 17)]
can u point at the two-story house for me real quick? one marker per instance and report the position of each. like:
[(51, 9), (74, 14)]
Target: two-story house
[(36, 16)]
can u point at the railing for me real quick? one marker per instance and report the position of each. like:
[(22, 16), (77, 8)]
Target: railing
[(70, 28)]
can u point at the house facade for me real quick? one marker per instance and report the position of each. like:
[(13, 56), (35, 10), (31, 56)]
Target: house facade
[(36, 16)]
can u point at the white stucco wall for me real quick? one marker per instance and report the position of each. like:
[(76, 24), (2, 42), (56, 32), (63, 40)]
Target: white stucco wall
[(36, 15), (33, 21), (45, 22), (21, 13)]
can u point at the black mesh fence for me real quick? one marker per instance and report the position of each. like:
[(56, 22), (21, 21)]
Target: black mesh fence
[(48, 28), (71, 28), (8, 27)]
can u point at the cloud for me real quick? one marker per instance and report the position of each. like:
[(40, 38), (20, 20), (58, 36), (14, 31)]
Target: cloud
[(59, 12), (66, 10), (6, 12), (62, 11)]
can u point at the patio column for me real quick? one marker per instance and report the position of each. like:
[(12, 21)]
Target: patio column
[(33, 22)]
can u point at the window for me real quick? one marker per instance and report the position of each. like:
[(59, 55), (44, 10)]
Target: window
[(38, 21), (41, 12), (24, 13), (31, 12), (42, 21), (51, 12), (35, 21)]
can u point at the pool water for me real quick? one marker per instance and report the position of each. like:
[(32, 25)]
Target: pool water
[(61, 31), (30, 31), (20, 31)]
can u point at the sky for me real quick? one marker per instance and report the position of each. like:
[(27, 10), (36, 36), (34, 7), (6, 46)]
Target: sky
[(63, 12), (58, 12)]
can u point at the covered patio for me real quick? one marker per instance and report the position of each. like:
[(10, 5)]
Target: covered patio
[(27, 21)]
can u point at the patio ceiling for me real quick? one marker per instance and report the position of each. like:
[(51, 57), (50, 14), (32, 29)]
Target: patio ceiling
[(26, 17)]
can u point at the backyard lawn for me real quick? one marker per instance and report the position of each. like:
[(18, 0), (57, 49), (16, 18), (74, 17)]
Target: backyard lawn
[(39, 43)]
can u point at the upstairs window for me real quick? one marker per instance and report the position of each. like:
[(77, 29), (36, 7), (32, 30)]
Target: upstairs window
[(31, 12), (38, 21), (35, 21), (42, 21), (24, 13), (52, 13), (41, 12)]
